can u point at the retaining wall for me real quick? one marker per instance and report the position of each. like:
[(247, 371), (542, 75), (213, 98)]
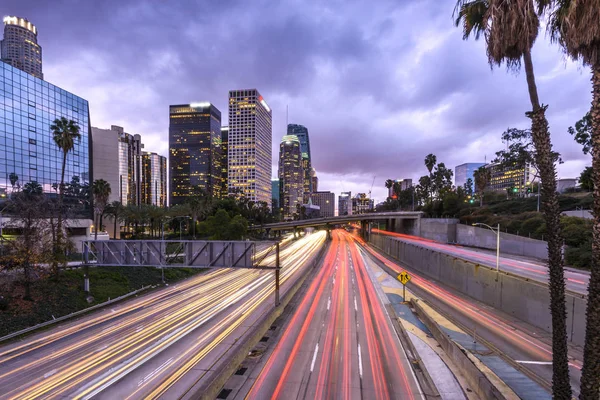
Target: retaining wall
[(510, 244), (526, 300), (439, 229)]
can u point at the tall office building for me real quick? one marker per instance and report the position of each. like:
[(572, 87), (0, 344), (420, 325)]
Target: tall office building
[(361, 204), (250, 140), (19, 47), (28, 106), (511, 178), (275, 190), (195, 152), (154, 179), (224, 161), (291, 175), (465, 171), (345, 203), (314, 180), (326, 201), (301, 132)]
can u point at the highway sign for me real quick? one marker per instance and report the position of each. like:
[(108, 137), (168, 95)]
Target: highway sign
[(404, 277)]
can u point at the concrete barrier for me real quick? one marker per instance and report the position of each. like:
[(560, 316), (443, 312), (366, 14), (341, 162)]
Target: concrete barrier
[(526, 300), (439, 229)]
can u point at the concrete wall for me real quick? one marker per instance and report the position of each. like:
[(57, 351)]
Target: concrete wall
[(526, 300), (439, 229), (587, 214), (475, 236)]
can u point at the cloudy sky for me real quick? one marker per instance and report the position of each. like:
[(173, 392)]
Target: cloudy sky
[(380, 84)]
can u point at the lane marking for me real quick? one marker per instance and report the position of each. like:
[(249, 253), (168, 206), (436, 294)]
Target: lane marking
[(312, 364), (355, 306), (534, 362), (359, 362), (328, 303), (49, 374)]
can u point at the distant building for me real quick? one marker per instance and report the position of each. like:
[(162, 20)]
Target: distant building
[(345, 203), (511, 178), (326, 202), (314, 180), (154, 179), (563, 185), (404, 185), (465, 171), (275, 189), (250, 139), (302, 133), (311, 210), (224, 161), (195, 152), (361, 204), (19, 47), (291, 175)]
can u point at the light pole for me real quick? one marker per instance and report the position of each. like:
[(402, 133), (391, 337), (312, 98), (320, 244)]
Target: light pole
[(497, 232)]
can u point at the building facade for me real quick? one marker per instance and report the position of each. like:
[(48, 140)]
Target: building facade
[(195, 151), (463, 172), (314, 179), (275, 190), (130, 167), (154, 179), (28, 106), (224, 161), (361, 204), (250, 141), (19, 47), (517, 179), (290, 175), (325, 201), (405, 184), (301, 132), (345, 203)]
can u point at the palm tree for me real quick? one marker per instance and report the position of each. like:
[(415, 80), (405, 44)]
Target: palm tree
[(117, 211), (199, 205), (389, 184), (65, 133), (574, 25), (430, 161), (510, 29), (100, 190), (482, 177), (14, 178)]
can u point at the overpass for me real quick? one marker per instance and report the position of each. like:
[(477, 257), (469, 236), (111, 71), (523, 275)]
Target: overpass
[(390, 219)]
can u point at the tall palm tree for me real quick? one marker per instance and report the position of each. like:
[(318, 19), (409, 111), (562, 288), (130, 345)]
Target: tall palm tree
[(117, 211), (510, 28), (389, 184), (101, 191), (575, 26), (65, 133), (482, 177), (430, 161)]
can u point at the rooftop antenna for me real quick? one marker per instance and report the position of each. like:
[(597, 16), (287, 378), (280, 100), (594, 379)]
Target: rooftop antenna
[(287, 115)]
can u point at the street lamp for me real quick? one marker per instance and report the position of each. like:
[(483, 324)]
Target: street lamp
[(497, 232)]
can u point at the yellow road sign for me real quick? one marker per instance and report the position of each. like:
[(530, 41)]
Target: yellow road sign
[(404, 277)]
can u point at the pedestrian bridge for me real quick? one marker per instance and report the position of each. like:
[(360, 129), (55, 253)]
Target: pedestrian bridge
[(388, 217)]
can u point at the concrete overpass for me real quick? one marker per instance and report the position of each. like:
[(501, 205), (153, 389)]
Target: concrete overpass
[(390, 219)]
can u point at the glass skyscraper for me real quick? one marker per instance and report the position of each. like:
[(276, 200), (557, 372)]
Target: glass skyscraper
[(154, 179), (465, 171), (28, 106), (301, 132), (20, 48), (195, 151), (290, 175)]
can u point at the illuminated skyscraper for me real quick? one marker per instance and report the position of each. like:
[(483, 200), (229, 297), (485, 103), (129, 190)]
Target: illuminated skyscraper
[(290, 175), (345, 203), (224, 162), (195, 153), (326, 201), (302, 133), (154, 179), (19, 47), (250, 140)]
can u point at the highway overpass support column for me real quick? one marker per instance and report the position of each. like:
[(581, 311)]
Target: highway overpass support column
[(328, 232), (277, 274)]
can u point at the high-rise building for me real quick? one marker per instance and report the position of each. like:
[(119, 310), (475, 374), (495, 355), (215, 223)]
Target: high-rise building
[(465, 171), (301, 132), (405, 184), (345, 203), (154, 179), (314, 180), (250, 140), (19, 47), (130, 166), (291, 175), (326, 201), (224, 161), (275, 190), (28, 106), (361, 204), (195, 152), (518, 179)]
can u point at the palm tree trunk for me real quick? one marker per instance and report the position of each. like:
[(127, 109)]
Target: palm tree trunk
[(561, 386), (58, 247), (96, 227), (115, 226), (590, 374)]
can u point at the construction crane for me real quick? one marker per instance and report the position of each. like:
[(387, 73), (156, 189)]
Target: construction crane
[(374, 176)]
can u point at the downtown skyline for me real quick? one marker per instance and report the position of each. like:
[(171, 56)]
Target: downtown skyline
[(376, 97)]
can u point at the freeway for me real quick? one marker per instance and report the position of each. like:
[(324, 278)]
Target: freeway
[(340, 342), (527, 348), (159, 345), (576, 281)]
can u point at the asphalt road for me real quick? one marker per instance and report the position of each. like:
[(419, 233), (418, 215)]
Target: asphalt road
[(529, 348), (340, 342), (576, 281), (158, 345)]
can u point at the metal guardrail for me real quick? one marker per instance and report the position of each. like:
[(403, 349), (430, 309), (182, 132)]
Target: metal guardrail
[(74, 314)]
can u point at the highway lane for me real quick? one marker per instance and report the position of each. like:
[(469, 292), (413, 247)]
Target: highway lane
[(340, 342), (529, 347), (576, 281), (156, 346)]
